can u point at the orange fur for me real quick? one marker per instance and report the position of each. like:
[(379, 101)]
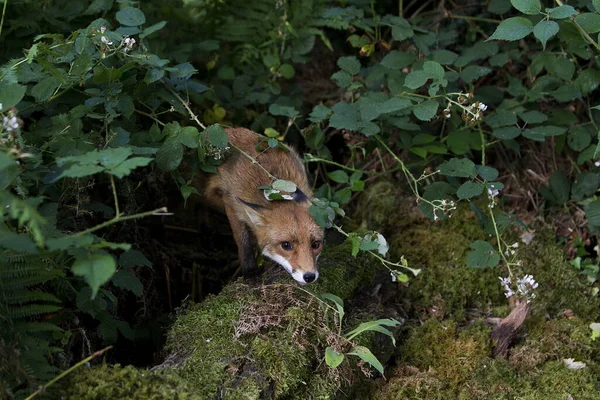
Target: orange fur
[(263, 222)]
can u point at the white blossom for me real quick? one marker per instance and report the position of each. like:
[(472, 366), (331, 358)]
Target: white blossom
[(394, 277), (597, 163), (492, 191), (506, 285), (10, 123), (128, 42), (104, 40), (0, 106), (482, 107), (102, 29), (383, 246)]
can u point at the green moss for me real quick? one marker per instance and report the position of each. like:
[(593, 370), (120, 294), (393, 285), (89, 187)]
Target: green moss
[(450, 355), (445, 287), (116, 382), (266, 341)]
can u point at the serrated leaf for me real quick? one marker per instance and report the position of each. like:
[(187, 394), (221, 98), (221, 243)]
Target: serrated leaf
[(319, 113), (539, 133), (125, 279), (459, 167), (487, 173), (512, 29), (129, 165), (482, 256), (44, 89), (130, 16), (283, 111), (579, 138), (474, 72), (426, 110), (529, 7), (284, 186), (11, 95), (469, 189), (501, 117), (217, 136), (544, 31), (338, 176), (134, 258), (189, 136), (397, 59), (394, 105), (435, 69), (170, 154), (589, 22), (507, 132), (561, 12), (592, 213), (152, 28), (416, 79), (80, 171), (560, 187), (345, 116), (349, 64), (342, 79), (333, 358), (66, 242), (533, 117), (96, 270)]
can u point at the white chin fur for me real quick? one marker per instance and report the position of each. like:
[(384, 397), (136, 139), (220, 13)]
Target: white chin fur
[(297, 275)]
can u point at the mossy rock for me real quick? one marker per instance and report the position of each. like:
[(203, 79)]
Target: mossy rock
[(115, 382), (267, 341)]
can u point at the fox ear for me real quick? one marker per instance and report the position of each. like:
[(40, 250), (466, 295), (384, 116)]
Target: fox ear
[(254, 212)]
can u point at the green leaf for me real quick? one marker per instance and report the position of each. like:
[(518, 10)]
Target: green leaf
[(501, 117), (512, 29), (319, 113), (134, 258), (189, 136), (342, 79), (459, 167), (397, 59), (345, 116), (469, 189), (596, 4), (592, 213), (45, 88), (473, 73), (482, 256), (530, 7), (284, 111), (377, 326), (507, 132), (561, 12), (125, 279), (589, 22), (284, 186), (11, 95), (339, 304), (130, 16), (560, 187), (366, 355), (487, 173), (579, 138), (65, 242), (540, 133), (444, 57), (129, 165), (80, 171), (426, 110), (416, 79), (169, 155), (338, 176), (349, 64), (544, 31), (217, 136), (588, 80), (533, 117), (435, 69), (393, 105), (287, 71), (333, 358), (152, 28), (95, 269)]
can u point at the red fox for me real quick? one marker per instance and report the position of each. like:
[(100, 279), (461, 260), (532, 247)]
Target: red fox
[(283, 229)]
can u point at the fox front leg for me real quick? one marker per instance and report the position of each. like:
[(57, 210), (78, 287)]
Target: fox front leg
[(245, 243)]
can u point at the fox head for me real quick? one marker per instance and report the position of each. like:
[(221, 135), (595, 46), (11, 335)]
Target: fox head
[(288, 234)]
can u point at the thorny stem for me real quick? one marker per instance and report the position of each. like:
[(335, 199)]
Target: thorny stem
[(310, 158), (158, 211), (150, 116), (499, 240), (114, 190), (3, 14), (194, 117), (580, 29), (478, 19), (482, 144), (383, 260), (67, 372)]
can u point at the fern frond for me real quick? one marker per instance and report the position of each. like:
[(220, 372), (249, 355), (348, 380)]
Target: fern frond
[(35, 326), (31, 310), (22, 297)]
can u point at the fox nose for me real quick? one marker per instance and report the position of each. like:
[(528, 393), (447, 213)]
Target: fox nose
[(309, 277)]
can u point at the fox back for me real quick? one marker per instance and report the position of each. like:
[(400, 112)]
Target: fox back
[(283, 229)]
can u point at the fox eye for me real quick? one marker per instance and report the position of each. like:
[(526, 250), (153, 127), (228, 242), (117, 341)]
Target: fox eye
[(316, 244), (286, 246)]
